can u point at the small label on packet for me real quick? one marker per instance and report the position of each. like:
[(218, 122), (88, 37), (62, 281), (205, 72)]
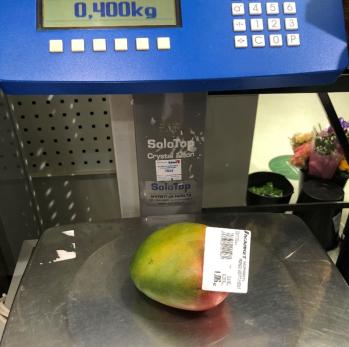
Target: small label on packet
[(226, 260)]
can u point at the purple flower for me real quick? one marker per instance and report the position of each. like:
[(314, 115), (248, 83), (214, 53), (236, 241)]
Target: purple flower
[(344, 124)]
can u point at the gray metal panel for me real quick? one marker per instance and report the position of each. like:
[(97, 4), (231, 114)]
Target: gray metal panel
[(76, 199), (18, 219), (296, 295), (229, 134), (65, 135)]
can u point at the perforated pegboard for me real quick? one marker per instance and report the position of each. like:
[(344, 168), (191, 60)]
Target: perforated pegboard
[(65, 135)]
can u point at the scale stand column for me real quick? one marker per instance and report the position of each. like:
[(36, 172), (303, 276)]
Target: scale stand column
[(162, 156)]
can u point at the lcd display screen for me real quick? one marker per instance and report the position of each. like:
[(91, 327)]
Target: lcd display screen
[(57, 14)]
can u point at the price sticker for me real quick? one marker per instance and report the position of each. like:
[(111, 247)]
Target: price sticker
[(226, 260)]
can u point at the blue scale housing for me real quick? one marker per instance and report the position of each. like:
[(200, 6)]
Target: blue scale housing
[(202, 56)]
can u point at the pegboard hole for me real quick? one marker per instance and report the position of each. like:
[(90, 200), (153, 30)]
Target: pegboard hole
[(36, 116), (33, 102), (95, 138)]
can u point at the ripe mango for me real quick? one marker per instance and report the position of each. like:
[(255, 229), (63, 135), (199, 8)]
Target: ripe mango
[(168, 267)]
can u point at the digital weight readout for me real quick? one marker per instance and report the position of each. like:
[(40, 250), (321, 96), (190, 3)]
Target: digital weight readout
[(57, 14)]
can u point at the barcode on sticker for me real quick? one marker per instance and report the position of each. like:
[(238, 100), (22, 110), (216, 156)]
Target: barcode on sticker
[(227, 244), (226, 260)]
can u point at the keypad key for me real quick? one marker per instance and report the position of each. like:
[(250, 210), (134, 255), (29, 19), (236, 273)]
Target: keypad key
[(241, 41), (255, 8), (238, 8), (293, 40), (291, 23), (274, 24), (290, 7), (275, 40), (258, 41), (256, 24), (273, 8), (239, 24)]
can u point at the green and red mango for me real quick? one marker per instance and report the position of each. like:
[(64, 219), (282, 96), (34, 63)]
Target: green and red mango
[(168, 268)]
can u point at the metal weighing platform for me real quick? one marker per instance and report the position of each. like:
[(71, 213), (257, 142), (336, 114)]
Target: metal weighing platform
[(296, 295)]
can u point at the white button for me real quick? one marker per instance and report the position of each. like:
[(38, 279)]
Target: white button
[(274, 24), (255, 8), (78, 45), (257, 24), (273, 8), (56, 46), (239, 24), (142, 44), (293, 40), (237, 8), (290, 7), (99, 45), (120, 45), (275, 40), (241, 41), (258, 41), (163, 43), (291, 23)]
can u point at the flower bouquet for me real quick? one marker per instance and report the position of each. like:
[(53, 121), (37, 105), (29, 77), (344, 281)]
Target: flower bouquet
[(318, 153)]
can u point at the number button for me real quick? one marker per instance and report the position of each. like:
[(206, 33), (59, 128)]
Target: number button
[(293, 40), (257, 24), (274, 24), (239, 24), (291, 23), (290, 8), (241, 41), (255, 8), (258, 41), (273, 8), (238, 8), (275, 40)]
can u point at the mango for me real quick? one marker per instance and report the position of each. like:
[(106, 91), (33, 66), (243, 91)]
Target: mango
[(168, 266)]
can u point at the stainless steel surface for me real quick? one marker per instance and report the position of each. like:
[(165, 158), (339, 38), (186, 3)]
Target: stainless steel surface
[(296, 295), (22, 262)]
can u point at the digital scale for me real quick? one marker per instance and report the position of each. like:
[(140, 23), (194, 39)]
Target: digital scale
[(163, 56), (142, 46)]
